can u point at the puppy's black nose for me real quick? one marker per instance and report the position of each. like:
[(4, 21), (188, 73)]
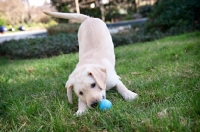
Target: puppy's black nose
[(94, 104)]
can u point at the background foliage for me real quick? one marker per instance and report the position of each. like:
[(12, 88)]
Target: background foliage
[(112, 9), (18, 12), (166, 18), (174, 15)]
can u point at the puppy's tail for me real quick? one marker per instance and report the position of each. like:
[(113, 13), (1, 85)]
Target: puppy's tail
[(77, 17)]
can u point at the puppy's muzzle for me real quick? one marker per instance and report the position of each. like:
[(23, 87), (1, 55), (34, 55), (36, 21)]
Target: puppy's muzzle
[(94, 103)]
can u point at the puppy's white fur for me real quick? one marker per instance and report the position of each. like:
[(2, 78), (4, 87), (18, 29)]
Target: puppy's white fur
[(95, 72)]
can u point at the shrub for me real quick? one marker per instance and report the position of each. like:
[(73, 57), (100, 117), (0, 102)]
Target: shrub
[(145, 10), (174, 15), (40, 47), (121, 39), (63, 28)]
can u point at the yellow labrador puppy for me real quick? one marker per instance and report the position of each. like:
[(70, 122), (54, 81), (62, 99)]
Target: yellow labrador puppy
[(95, 72)]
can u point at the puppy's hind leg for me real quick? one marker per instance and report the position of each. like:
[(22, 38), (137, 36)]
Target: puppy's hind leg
[(125, 93)]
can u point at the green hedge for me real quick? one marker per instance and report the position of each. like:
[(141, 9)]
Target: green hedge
[(67, 43), (40, 47)]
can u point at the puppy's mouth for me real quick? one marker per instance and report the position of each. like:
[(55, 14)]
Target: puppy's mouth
[(95, 103)]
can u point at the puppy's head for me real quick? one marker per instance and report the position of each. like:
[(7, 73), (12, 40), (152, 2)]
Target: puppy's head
[(89, 84)]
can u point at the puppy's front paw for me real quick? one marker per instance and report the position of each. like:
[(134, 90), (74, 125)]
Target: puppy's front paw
[(79, 112), (129, 95)]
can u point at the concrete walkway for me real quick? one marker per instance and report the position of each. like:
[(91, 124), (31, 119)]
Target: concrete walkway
[(22, 35)]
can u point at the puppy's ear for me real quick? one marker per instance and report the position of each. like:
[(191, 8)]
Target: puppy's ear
[(99, 75), (69, 86)]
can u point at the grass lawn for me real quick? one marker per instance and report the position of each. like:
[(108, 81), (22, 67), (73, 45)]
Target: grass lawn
[(165, 73)]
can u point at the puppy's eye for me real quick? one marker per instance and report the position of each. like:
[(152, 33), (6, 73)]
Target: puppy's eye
[(93, 85), (81, 93)]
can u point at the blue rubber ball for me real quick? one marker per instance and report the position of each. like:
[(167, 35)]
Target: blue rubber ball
[(105, 104)]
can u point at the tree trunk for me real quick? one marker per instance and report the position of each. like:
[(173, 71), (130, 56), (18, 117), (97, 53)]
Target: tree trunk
[(77, 7)]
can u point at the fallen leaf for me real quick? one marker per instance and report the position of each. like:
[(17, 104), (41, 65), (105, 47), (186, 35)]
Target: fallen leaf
[(135, 73), (30, 70), (163, 113)]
